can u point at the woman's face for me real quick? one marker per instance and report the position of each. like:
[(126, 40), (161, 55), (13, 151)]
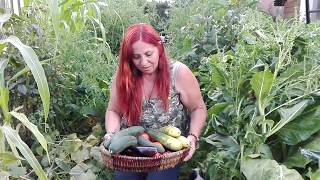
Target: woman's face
[(145, 57)]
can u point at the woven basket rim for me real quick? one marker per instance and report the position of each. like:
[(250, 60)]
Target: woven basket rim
[(162, 156)]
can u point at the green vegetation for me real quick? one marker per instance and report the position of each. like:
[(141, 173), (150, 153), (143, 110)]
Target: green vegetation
[(259, 77)]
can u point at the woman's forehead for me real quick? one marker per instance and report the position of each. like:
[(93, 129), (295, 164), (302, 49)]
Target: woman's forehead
[(140, 46)]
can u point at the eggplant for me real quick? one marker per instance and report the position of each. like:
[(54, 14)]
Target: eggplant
[(144, 151)]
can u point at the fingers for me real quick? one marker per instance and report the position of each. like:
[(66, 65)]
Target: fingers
[(190, 154), (107, 136)]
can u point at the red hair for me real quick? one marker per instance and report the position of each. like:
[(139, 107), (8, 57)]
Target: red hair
[(129, 78)]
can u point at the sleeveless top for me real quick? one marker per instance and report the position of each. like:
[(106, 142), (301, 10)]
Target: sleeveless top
[(154, 116)]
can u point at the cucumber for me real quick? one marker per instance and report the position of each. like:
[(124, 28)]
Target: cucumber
[(122, 143), (184, 141), (131, 131), (171, 131), (142, 141), (106, 143), (166, 140)]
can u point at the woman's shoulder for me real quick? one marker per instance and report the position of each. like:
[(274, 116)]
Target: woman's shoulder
[(176, 65)]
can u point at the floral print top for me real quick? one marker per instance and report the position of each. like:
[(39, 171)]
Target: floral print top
[(154, 116)]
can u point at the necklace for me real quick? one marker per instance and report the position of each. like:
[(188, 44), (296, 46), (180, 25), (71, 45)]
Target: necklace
[(145, 94)]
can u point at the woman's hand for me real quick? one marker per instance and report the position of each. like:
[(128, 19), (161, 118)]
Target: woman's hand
[(107, 136), (192, 149)]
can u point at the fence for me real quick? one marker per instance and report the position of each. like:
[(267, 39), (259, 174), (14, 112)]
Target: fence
[(13, 6)]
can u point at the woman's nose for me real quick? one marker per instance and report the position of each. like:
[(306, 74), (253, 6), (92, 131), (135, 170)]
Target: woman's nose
[(144, 60)]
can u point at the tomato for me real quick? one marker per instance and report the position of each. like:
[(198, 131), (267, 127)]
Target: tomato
[(145, 135), (156, 142)]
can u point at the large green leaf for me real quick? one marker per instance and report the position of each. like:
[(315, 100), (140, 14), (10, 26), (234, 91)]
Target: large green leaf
[(302, 127), (33, 63), (217, 108), (288, 114), (261, 83), (297, 159), (266, 169), (24, 149), (33, 128), (13, 148), (81, 171), (3, 65)]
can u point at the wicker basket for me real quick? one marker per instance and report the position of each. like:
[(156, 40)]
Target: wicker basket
[(142, 164)]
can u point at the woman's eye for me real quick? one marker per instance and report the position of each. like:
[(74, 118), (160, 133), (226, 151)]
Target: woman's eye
[(149, 54), (135, 57)]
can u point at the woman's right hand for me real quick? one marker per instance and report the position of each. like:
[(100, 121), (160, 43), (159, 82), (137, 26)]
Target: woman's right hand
[(107, 136)]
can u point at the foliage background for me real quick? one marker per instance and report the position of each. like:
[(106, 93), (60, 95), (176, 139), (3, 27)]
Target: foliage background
[(229, 45)]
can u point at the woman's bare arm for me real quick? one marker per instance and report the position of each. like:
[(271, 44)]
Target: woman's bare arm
[(112, 117)]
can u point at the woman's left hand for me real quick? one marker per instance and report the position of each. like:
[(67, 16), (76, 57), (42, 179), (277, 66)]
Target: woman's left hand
[(192, 148)]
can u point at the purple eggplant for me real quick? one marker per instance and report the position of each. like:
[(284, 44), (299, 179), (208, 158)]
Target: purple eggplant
[(144, 151)]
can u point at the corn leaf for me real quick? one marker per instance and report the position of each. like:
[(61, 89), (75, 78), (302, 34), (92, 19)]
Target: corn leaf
[(33, 63), (34, 129), (3, 65), (4, 18), (13, 136)]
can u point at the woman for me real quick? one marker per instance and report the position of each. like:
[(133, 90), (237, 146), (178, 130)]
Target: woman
[(152, 92)]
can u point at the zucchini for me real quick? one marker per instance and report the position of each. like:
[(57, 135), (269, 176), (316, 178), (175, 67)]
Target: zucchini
[(142, 141), (131, 131), (122, 143), (166, 140), (171, 131)]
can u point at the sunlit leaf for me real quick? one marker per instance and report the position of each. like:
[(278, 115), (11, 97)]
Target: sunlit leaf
[(288, 114), (260, 169), (261, 83), (71, 143), (25, 150), (80, 155)]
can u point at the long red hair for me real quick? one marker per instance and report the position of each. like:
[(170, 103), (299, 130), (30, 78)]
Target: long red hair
[(129, 79)]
